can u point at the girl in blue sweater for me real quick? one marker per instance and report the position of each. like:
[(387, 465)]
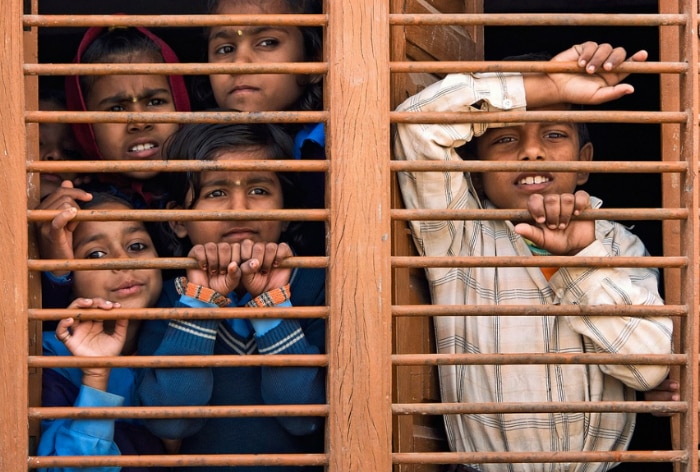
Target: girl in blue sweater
[(238, 267), (100, 386)]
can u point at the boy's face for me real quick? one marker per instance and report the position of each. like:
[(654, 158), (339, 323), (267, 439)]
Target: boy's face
[(231, 190), (531, 142), (132, 93), (253, 44), (56, 143), (116, 240)]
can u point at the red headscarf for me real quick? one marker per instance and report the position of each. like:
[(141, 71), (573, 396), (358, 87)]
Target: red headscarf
[(76, 101)]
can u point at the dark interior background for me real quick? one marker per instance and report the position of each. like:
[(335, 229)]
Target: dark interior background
[(613, 142)]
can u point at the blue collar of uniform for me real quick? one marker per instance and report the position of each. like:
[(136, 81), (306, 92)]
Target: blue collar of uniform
[(312, 132)]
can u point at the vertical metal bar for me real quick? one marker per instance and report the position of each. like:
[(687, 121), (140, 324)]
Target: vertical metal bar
[(13, 238), (359, 283)]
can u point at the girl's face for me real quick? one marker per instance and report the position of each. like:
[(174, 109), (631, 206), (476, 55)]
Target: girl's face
[(132, 93), (56, 143), (252, 44), (231, 190), (133, 288)]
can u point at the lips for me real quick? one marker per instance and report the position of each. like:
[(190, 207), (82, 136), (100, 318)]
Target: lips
[(143, 150), (534, 180), (128, 288), (239, 234)]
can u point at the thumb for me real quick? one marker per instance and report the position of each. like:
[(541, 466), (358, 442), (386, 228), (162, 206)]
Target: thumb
[(530, 232)]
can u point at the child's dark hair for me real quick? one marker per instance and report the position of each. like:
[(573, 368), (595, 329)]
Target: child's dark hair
[(205, 142), (100, 198), (312, 98), (117, 45)]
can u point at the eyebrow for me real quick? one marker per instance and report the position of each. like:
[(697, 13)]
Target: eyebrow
[(125, 97), (227, 181), (231, 32)]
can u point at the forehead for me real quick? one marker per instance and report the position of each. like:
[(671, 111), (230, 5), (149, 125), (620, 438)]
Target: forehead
[(253, 6), (244, 153), (132, 85)]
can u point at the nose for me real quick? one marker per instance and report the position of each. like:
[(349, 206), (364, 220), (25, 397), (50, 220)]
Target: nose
[(239, 200), (52, 153), (531, 147), (139, 127), (119, 253)]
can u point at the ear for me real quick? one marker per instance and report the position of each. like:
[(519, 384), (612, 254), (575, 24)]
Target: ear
[(178, 227), (585, 154)]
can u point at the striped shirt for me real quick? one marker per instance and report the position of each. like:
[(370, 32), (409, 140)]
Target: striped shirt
[(592, 431)]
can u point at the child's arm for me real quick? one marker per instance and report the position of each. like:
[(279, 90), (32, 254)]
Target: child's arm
[(69, 437), (617, 286), (596, 83)]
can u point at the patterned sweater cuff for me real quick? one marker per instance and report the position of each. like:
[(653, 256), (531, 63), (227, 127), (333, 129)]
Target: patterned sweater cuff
[(201, 293), (270, 298)]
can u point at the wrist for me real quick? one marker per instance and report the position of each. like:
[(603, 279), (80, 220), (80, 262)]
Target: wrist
[(271, 297), (200, 292), (96, 378)]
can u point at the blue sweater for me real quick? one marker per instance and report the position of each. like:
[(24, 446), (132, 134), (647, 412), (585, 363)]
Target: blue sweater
[(67, 437), (239, 385)]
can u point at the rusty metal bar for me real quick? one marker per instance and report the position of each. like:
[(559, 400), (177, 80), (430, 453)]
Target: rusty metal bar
[(538, 359), (644, 117), (521, 215), (179, 460), (529, 66), (184, 215), (151, 21), (538, 261), (538, 19), (219, 411), (175, 68), (545, 457), (532, 166), (179, 313), (282, 165), (306, 360), (177, 117), (537, 310), (548, 407), (159, 263)]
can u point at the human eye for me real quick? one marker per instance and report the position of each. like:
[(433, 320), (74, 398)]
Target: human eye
[(503, 140), (224, 49), (116, 108), (137, 246), (269, 43), (556, 134), (217, 193), (95, 254), (158, 102)]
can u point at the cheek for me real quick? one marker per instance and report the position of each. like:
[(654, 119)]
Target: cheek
[(86, 283), (106, 137)]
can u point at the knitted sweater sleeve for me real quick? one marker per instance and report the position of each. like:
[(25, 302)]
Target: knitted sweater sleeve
[(176, 386)]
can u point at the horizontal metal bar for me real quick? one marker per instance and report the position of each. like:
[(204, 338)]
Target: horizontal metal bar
[(544, 407), (537, 261), (539, 310), (501, 457), (178, 313), (279, 360), (523, 215), (188, 20), (448, 67), (179, 460), (159, 263), (184, 165), (178, 68), (176, 117), (203, 411), (538, 19), (185, 215), (523, 358), (588, 116), (623, 167)]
